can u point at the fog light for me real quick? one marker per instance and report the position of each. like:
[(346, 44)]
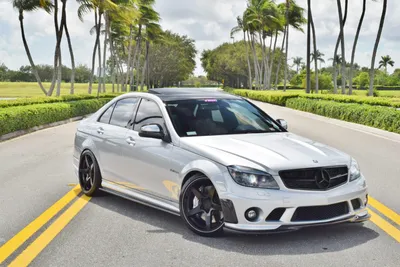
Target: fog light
[(251, 214)]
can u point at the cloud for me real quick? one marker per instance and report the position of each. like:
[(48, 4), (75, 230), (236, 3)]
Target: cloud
[(208, 22)]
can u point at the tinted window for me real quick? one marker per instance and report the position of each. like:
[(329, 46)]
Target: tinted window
[(105, 118), (202, 117), (148, 112), (123, 112)]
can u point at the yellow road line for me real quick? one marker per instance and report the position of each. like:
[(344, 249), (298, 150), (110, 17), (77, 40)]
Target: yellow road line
[(384, 210), (385, 226), (30, 253), (15, 242)]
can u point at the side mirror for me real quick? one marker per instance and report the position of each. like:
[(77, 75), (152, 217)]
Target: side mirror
[(283, 123), (152, 131)]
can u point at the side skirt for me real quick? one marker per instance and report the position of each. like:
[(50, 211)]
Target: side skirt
[(137, 197)]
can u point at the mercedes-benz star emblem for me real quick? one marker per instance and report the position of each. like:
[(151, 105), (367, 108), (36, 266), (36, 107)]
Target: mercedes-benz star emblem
[(322, 179)]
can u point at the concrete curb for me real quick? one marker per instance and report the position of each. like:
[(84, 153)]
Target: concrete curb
[(40, 127)]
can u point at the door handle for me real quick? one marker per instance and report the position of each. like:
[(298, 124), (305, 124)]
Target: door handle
[(100, 130), (130, 141)]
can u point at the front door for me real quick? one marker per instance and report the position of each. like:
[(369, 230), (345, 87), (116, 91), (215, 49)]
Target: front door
[(149, 167)]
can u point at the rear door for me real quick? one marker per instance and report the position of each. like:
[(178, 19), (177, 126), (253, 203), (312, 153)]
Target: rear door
[(111, 142)]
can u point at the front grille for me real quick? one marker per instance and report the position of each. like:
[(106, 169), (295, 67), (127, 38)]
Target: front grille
[(317, 213), (315, 178)]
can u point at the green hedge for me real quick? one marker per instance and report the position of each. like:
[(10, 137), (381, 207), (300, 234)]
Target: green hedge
[(25, 117), (280, 98), (378, 117), (383, 88), (273, 97), (44, 100)]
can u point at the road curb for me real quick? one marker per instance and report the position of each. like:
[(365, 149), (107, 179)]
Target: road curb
[(13, 135)]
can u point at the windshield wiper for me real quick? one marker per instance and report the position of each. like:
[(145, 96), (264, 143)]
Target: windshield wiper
[(251, 131)]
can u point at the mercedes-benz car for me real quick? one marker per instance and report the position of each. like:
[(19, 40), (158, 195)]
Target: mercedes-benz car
[(218, 161)]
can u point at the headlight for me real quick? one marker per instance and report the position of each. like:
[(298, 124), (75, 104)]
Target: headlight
[(252, 178), (354, 170)]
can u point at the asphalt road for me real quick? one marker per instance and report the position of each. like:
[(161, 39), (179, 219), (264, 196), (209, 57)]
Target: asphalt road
[(36, 172)]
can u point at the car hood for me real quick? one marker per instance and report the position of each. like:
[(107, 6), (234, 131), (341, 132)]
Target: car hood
[(273, 151)]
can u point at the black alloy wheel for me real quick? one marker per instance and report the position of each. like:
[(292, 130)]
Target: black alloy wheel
[(200, 207), (89, 174)]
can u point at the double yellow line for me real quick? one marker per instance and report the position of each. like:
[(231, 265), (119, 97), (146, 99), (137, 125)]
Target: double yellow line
[(30, 253), (386, 226)]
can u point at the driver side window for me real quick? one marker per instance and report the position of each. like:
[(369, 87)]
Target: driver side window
[(148, 112)]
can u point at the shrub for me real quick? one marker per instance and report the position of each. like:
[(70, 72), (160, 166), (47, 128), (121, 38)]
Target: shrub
[(25, 117), (273, 97), (42, 100), (279, 98), (378, 117)]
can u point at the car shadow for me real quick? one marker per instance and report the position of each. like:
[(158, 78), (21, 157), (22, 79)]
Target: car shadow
[(311, 240)]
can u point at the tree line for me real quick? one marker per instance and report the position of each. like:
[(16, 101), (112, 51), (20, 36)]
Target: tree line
[(263, 23), (140, 52)]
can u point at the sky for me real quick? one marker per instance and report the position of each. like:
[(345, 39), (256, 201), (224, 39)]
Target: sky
[(208, 22)]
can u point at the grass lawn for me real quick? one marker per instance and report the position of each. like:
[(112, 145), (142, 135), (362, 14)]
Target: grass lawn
[(22, 89)]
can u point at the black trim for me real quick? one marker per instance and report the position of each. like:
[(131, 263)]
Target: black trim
[(228, 210)]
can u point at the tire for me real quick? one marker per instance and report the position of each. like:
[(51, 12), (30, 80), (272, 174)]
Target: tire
[(89, 187), (196, 187)]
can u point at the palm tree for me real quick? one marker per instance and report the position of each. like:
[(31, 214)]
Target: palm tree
[(294, 18), (99, 7), (340, 40), (316, 54), (241, 27), (353, 54), (297, 61), (385, 61), (378, 38), (71, 51), (27, 6), (308, 78)]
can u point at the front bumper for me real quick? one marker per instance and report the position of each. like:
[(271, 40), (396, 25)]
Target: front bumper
[(236, 200)]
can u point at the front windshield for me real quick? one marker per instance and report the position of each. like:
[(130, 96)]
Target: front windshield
[(202, 117)]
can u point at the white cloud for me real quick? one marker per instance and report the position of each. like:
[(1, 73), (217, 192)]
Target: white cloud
[(208, 22)]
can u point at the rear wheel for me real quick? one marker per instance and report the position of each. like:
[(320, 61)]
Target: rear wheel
[(89, 174), (200, 207)]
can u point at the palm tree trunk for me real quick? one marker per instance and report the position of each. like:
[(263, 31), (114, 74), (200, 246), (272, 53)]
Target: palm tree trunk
[(255, 62), (353, 54), (280, 61), (59, 75), (342, 22), (271, 64), (28, 53), (287, 43), (71, 52), (248, 60), (100, 77), (138, 63), (145, 66), (93, 56), (378, 38), (57, 52), (308, 87), (315, 51), (103, 85), (129, 59)]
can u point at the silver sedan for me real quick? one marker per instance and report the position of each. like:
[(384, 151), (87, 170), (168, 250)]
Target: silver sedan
[(216, 160)]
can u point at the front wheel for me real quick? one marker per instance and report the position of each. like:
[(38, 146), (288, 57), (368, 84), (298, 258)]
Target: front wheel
[(200, 207), (89, 174)]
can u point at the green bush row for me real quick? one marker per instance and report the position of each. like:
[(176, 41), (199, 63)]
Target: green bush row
[(378, 117), (25, 117), (383, 87), (280, 98), (43, 100), (273, 97)]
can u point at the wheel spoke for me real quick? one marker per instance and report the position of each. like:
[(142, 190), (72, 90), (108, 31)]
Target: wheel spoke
[(87, 183), (195, 211), (208, 220), (197, 193), (87, 161)]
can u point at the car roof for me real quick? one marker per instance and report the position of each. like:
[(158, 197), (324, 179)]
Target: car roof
[(179, 93)]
